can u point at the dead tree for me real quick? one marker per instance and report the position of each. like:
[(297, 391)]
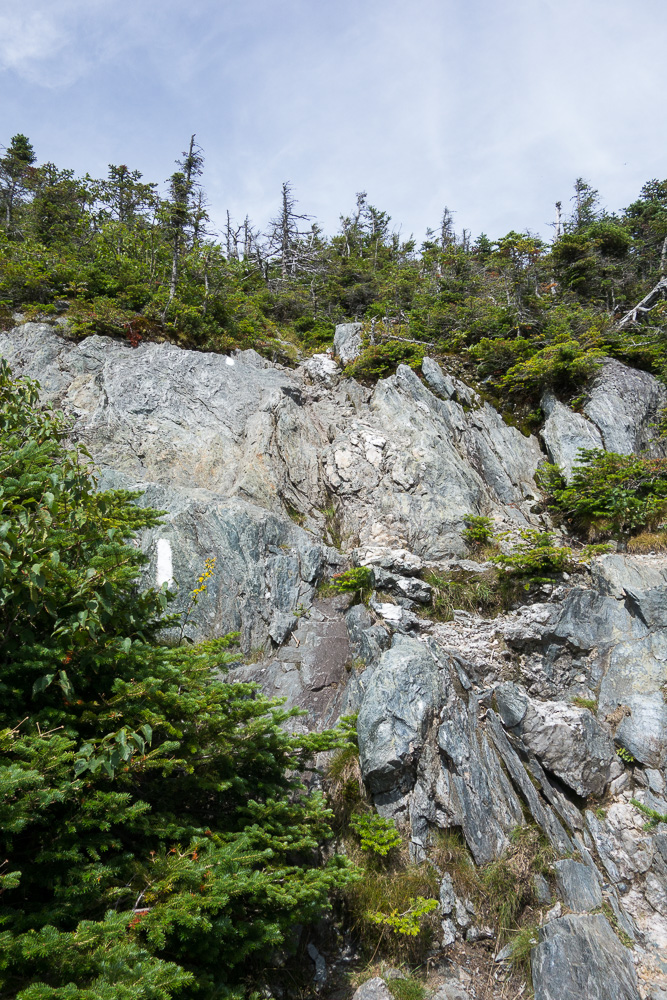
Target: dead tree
[(650, 299)]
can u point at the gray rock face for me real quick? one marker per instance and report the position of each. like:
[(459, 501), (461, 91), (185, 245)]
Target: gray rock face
[(310, 671), (578, 886), (398, 467), (565, 433), (471, 790), (580, 956), (266, 566), (347, 342), (624, 404), (566, 740), (446, 386), (620, 415), (398, 707)]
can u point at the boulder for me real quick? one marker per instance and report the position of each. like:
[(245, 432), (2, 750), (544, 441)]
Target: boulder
[(446, 386), (398, 707), (566, 740), (564, 433), (624, 404), (580, 957), (322, 369), (347, 342), (373, 989), (578, 885)]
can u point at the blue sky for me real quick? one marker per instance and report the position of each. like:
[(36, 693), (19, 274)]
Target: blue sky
[(491, 107)]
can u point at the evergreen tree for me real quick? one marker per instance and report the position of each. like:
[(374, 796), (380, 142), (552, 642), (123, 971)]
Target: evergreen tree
[(14, 167), (157, 838)]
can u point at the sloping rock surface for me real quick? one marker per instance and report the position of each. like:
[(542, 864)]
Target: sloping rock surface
[(580, 956), (472, 725)]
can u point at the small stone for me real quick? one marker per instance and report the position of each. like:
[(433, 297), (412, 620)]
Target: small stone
[(373, 989), (461, 914), (541, 889), (448, 933), (320, 964), (447, 895)]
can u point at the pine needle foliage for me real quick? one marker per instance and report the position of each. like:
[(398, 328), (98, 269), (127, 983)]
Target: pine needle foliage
[(157, 836)]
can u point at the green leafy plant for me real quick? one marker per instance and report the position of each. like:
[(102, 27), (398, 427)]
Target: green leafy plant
[(561, 366), (358, 580), (625, 755), (610, 493), (535, 559), (654, 817), (478, 531), (592, 551), (409, 922), (376, 834)]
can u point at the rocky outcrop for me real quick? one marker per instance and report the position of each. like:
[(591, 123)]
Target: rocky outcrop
[(377, 471), (580, 956), (620, 414), (568, 741), (347, 341), (474, 725), (397, 709)]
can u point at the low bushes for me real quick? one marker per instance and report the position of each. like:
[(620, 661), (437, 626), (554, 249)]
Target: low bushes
[(610, 494), (380, 360)]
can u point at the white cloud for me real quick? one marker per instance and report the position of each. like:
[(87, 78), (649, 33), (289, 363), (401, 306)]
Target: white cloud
[(492, 109)]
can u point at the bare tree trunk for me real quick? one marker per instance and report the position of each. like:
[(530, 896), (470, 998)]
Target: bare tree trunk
[(646, 303)]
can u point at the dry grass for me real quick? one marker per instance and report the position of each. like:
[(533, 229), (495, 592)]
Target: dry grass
[(502, 889), (391, 889), (344, 785), (479, 593), (648, 541)]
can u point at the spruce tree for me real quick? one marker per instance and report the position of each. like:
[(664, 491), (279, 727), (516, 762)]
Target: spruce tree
[(155, 836)]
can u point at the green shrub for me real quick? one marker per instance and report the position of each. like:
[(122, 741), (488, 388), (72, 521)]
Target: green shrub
[(597, 549), (380, 360), (376, 834), (495, 356), (561, 367), (478, 530), (610, 493), (535, 559), (358, 580)]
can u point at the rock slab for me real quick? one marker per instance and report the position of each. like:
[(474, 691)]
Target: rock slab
[(580, 958)]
